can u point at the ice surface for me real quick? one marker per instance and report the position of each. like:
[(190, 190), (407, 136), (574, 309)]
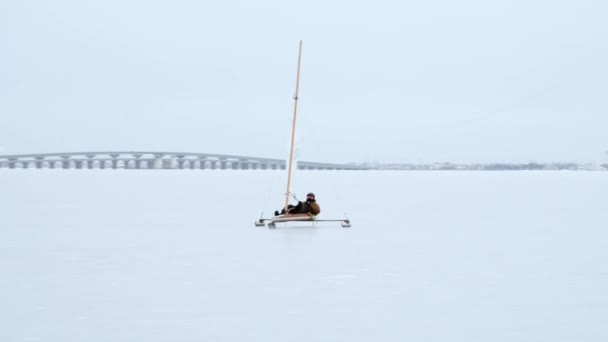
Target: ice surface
[(126, 255)]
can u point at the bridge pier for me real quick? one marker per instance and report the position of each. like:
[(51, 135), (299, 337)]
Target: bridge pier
[(114, 157), (65, 164), (39, 162), (90, 161), (180, 161), (137, 160)]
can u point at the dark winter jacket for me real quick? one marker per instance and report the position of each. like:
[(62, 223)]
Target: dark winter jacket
[(308, 207), (313, 207)]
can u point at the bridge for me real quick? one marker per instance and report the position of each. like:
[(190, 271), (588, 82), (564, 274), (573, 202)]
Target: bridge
[(155, 160)]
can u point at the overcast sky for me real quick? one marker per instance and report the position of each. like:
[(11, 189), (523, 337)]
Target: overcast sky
[(389, 81)]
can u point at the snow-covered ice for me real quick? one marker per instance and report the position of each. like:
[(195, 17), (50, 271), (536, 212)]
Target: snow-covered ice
[(108, 255)]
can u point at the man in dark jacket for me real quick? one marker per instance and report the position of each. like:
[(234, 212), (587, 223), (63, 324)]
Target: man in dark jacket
[(310, 207)]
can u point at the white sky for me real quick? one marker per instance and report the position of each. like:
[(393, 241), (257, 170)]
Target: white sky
[(402, 81)]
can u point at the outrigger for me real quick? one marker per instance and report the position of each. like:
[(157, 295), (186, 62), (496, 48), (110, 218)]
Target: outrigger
[(297, 218), (284, 218)]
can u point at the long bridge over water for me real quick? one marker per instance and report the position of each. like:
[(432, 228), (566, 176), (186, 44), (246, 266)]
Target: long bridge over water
[(155, 160)]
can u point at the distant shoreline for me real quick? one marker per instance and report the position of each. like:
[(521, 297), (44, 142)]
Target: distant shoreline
[(487, 167)]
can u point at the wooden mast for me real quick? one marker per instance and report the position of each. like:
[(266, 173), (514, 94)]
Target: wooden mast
[(293, 130)]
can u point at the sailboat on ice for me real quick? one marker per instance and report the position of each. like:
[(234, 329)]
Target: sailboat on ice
[(283, 218)]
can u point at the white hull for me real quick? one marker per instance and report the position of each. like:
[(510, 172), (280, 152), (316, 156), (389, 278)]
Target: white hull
[(293, 217)]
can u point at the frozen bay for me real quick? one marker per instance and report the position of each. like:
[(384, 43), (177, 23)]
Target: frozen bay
[(125, 255)]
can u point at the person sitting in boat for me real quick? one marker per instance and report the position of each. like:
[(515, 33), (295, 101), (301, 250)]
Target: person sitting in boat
[(310, 207)]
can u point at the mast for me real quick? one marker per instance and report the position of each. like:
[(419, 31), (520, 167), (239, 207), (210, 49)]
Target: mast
[(293, 129)]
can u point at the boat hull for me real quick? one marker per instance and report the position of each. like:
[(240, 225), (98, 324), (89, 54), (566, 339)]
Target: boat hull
[(293, 217)]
